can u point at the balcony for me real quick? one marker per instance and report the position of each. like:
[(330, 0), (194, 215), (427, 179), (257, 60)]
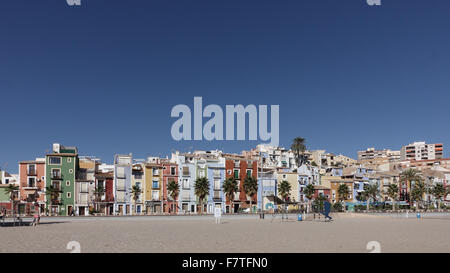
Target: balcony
[(31, 172), (56, 176)]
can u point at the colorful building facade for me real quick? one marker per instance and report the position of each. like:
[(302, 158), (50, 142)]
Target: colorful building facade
[(61, 167)]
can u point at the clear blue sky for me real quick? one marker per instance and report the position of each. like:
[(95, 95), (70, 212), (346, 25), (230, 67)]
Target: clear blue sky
[(105, 76)]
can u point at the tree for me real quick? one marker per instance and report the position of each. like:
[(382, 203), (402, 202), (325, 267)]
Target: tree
[(392, 192), (250, 188), (53, 193), (12, 191), (418, 191), (201, 189), (230, 187), (438, 192), (98, 193), (409, 176), (285, 190), (343, 192), (298, 147), (371, 192), (136, 192), (320, 199), (309, 192), (173, 188)]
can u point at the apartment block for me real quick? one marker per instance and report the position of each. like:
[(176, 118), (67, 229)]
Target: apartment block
[(422, 151)]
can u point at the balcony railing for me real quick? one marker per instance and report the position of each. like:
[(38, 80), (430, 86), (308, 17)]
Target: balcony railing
[(56, 176), (31, 172)]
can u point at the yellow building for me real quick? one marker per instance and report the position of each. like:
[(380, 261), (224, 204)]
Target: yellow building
[(334, 185), (153, 188), (292, 178), (137, 179)]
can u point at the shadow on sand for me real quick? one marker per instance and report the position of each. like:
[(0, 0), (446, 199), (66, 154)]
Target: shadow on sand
[(27, 224)]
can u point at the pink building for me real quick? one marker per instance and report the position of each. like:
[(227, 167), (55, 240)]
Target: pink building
[(32, 186), (170, 173)]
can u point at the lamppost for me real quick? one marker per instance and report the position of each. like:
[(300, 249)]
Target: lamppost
[(261, 177)]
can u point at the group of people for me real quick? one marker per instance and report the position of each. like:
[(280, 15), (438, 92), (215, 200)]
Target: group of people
[(35, 222)]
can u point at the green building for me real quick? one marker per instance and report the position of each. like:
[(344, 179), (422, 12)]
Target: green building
[(61, 168)]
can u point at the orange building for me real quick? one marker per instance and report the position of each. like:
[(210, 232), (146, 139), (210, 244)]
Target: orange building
[(32, 186)]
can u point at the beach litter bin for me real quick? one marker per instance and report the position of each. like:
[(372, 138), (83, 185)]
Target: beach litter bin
[(299, 217)]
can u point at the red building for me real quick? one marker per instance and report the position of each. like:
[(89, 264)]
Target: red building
[(105, 203), (32, 186), (240, 168), (170, 173), (322, 190)]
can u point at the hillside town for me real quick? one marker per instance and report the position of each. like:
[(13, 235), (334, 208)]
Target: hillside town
[(63, 182)]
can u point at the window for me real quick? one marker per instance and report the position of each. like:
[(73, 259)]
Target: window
[(186, 171), (32, 169), (217, 184), (236, 174), (69, 159), (100, 184), (155, 195), (54, 160), (67, 183), (120, 172), (155, 184), (155, 171), (70, 170), (69, 195), (137, 175), (172, 170), (201, 173), (6, 181), (56, 173), (56, 185), (186, 183), (31, 182)]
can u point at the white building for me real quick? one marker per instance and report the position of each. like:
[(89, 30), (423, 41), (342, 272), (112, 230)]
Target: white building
[(421, 151)]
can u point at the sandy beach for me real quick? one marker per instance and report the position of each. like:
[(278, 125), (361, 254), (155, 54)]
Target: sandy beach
[(347, 233)]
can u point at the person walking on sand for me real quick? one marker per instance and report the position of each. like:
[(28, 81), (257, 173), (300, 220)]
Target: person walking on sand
[(326, 212), (35, 219)]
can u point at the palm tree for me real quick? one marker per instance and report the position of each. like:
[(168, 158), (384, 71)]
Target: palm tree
[(298, 147), (409, 176), (371, 192), (418, 191), (285, 190), (230, 187), (319, 201), (173, 188), (136, 192), (392, 192), (343, 192), (201, 189), (250, 188), (98, 193), (53, 193), (12, 190), (438, 192), (309, 192)]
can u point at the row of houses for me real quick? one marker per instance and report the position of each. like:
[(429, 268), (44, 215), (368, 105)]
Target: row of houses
[(66, 183)]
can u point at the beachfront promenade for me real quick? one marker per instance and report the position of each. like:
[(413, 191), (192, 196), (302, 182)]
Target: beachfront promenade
[(236, 233)]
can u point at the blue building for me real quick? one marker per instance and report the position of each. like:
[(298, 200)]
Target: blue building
[(122, 184)]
